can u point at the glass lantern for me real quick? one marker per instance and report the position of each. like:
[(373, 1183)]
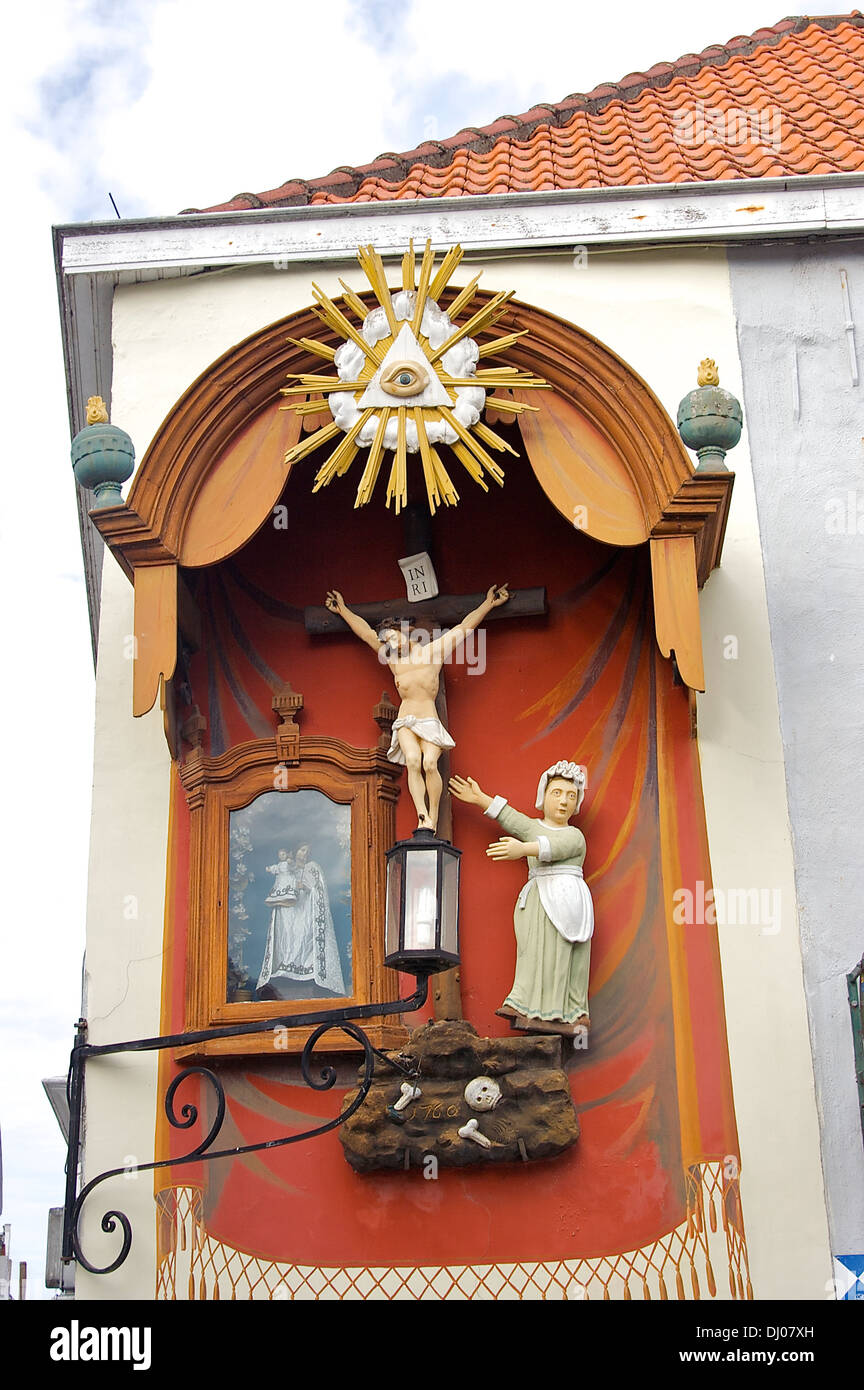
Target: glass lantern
[(422, 929)]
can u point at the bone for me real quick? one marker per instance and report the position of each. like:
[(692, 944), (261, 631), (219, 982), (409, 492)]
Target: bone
[(470, 1131), (409, 1093)]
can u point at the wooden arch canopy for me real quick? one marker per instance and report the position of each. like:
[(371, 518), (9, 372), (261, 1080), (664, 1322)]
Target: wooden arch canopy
[(602, 447)]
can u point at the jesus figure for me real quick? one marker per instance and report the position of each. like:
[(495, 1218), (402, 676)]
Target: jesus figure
[(418, 734)]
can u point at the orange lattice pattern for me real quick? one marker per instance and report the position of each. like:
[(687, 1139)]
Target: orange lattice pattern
[(194, 1265)]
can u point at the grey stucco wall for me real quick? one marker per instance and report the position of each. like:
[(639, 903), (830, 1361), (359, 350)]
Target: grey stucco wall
[(805, 418)]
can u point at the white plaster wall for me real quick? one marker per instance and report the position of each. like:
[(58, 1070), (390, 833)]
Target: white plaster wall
[(808, 417), (662, 311), (125, 910), (749, 837)]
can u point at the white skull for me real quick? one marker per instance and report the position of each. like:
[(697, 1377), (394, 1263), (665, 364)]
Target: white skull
[(483, 1093)]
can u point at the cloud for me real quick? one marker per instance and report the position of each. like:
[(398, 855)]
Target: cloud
[(221, 116), (443, 104), (168, 106), (379, 23)]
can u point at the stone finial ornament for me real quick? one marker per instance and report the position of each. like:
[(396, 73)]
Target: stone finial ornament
[(103, 456), (710, 420), (287, 703)]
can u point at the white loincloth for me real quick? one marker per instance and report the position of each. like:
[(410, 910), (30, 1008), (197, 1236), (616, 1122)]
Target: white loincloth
[(430, 729)]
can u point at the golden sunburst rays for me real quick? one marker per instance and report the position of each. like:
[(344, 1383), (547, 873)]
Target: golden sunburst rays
[(379, 407)]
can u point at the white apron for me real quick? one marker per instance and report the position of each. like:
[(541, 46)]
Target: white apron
[(566, 899)]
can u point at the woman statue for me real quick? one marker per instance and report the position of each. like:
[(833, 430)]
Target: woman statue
[(301, 941), (554, 916)]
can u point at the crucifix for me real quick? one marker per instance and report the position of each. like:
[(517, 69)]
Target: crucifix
[(420, 738)]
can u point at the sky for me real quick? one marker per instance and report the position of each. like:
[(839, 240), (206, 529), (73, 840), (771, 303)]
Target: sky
[(171, 104)]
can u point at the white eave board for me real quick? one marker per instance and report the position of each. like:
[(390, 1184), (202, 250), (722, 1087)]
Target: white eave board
[(732, 210)]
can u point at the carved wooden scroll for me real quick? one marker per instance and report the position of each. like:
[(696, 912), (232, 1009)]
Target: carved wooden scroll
[(155, 653), (676, 606)]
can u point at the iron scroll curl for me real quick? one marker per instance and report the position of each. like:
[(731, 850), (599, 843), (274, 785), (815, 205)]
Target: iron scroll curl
[(111, 1218), (189, 1112)]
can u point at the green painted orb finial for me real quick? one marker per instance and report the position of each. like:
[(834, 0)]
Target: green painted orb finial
[(710, 420), (103, 456)]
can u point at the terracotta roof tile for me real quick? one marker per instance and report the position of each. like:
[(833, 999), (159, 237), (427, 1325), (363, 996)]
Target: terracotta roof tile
[(791, 99)]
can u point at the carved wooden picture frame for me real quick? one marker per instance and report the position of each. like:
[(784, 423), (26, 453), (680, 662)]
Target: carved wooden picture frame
[(359, 779)]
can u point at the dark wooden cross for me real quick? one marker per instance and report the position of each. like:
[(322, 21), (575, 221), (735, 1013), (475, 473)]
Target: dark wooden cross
[(445, 611)]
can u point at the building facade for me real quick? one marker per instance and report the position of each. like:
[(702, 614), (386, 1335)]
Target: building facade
[(694, 648)]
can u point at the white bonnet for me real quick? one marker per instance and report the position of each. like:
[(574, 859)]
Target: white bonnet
[(573, 772)]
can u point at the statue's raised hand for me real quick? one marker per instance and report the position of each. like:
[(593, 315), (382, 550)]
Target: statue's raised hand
[(507, 848), (466, 789), (334, 601), (498, 594)]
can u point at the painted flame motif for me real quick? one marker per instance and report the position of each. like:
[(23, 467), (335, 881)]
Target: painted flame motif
[(708, 374), (97, 413)]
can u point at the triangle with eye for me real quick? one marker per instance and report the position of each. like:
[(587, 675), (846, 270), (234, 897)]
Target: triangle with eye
[(405, 349)]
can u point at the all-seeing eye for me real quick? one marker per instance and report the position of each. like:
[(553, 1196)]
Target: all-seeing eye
[(404, 379)]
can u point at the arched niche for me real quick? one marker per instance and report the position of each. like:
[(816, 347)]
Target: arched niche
[(601, 445)]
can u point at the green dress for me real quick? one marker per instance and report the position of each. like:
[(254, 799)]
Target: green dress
[(551, 981)]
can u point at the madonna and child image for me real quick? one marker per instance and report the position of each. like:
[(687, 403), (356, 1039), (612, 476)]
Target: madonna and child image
[(289, 932)]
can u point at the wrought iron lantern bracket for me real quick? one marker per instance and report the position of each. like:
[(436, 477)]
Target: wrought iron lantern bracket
[(322, 1022)]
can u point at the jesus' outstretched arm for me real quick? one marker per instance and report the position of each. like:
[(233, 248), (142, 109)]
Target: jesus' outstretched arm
[(441, 648), (358, 625)]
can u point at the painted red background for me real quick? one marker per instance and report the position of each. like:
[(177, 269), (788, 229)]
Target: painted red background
[(581, 683)]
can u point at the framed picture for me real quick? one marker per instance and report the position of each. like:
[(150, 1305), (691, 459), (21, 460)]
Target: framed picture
[(289, 907), (287, 889)]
